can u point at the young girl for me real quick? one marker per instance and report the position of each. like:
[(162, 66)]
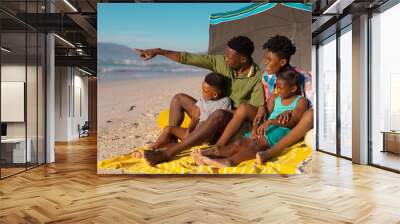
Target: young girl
[(213, 88), (269, 133)]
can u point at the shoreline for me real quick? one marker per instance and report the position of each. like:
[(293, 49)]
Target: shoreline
[(146, 76)]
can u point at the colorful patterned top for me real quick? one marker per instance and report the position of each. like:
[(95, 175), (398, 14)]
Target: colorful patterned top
[(269, 84)]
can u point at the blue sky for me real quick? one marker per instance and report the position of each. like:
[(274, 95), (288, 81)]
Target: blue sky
[(175, 26)]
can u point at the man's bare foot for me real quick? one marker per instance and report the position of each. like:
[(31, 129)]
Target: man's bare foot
[(262, 157), (218, 163), (154, 157), (137, 154)]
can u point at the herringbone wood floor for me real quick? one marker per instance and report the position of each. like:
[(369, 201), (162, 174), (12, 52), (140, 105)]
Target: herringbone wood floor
[(70, 191)]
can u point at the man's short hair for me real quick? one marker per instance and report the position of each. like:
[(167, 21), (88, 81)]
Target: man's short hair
[(243, 45)]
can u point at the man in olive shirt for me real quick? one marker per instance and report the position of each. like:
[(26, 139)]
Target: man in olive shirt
[(245, 87)]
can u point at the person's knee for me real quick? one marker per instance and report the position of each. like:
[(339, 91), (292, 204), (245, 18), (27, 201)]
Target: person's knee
[(217, 116), (254, 146), (177, 98), (168, 129)]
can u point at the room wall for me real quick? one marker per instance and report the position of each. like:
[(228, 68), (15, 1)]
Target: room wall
[(92, 108), (16, 73), (70, 83), (33, 127), (62, 81)]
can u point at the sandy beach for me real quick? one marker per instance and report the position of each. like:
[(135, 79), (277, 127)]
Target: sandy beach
[(127, 110)]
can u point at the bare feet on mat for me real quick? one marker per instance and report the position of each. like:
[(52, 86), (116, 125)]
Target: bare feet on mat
[(196, 154), (212, 151), (154, 157), (137, 154), (262, 157), (218, 163)]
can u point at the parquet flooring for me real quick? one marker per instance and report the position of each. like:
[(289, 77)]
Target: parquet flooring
[(70, 191)]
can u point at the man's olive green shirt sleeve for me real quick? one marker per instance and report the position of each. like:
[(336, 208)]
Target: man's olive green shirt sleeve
[(214, 63), (257, 95)]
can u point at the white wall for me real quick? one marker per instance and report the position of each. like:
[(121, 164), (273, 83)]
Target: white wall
[(16, 73), (70, 83), (62, 81), (33, 126)]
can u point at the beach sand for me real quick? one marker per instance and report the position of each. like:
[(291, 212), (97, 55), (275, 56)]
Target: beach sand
[(128, 109)]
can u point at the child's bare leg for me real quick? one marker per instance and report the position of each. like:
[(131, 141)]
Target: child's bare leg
[(219, 151), (247, 149), (223, 151), (164, 138), (168, 135), (204, 132), (218, 163)]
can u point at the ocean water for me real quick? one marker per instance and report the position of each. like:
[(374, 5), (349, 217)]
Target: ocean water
[(111, 76), (138, 69)]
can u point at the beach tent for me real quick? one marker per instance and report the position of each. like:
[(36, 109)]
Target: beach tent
[(259, 22)]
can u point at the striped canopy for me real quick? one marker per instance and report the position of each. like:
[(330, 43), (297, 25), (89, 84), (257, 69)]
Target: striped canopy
[(259, 22)]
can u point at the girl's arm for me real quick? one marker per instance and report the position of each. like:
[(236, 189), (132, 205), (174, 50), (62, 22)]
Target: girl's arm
[(297, 113)]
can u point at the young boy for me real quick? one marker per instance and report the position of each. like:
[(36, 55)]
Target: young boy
[(270, 132), (213, 98)]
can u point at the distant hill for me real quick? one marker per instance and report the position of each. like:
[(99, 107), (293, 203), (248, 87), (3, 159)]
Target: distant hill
[(110, 51)]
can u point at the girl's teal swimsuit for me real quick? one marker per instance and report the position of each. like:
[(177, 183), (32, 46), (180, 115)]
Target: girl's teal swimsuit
[(275, 133)]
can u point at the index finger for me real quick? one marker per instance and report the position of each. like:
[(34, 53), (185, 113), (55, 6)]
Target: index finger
[(280, 119), (287, 118), (139, 50)]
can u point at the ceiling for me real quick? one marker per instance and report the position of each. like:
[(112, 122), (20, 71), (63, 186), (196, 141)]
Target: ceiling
[(76, 22)]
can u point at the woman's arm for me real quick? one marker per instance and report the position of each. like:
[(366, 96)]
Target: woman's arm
[(297, 113)]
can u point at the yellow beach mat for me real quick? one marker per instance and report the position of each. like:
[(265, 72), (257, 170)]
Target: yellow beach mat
[(163, 119), (290, 162)]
